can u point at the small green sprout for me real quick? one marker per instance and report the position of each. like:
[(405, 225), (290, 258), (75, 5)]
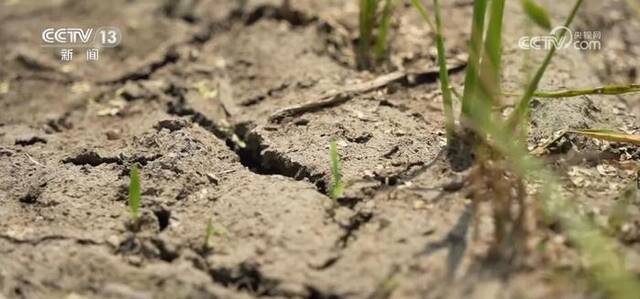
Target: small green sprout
[(4, 87), (210, 231), (134, 192), (337, 187)]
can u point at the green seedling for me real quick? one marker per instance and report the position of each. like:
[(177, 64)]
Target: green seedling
[(445, 87), (374, 31), (337, 187), (367, 22), (210, 231), (205, 89), (470, 96), (491, 63), (382, 40), (4, 87), (134, 192)]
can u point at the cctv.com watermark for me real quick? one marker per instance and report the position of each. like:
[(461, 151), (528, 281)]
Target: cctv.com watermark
[(577, 40)]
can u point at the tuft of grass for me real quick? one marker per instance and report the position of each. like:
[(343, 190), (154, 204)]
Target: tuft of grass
[(134, 192), (599, 252), (501, 157), (337, 187), (367, 20), (605, 266), (382, 43), (373, 32)]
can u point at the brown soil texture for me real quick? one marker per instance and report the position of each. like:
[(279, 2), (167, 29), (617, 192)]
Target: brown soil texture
[(189, 96)]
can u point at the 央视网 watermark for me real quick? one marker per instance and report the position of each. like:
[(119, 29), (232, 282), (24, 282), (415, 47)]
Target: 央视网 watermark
[(578, 40)]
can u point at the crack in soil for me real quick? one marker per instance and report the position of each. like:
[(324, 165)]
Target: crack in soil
[(257, 156), (49, 238), (246, 277), (284, 12), (170, 57), (254, 154), (269, 93), (90, 157), (355, 223), (179, 107), (30, 141)]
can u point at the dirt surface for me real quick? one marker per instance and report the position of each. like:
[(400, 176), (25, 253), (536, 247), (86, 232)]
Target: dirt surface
[(190, 95)]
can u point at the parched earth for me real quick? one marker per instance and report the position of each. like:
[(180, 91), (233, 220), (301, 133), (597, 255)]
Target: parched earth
[(194, 95)]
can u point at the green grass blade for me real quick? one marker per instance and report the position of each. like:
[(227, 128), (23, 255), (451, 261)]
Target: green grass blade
[(608, 135), (521, 110), (487, 90), (470, 92), (423, 13), (337, 187), (382, 45), (536, 13), (602, 90), (134, 192), (492, 57), (367, 18), (447, 101)]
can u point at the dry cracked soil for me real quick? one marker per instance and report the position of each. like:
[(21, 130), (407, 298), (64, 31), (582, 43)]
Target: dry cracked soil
[(192, 95)]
